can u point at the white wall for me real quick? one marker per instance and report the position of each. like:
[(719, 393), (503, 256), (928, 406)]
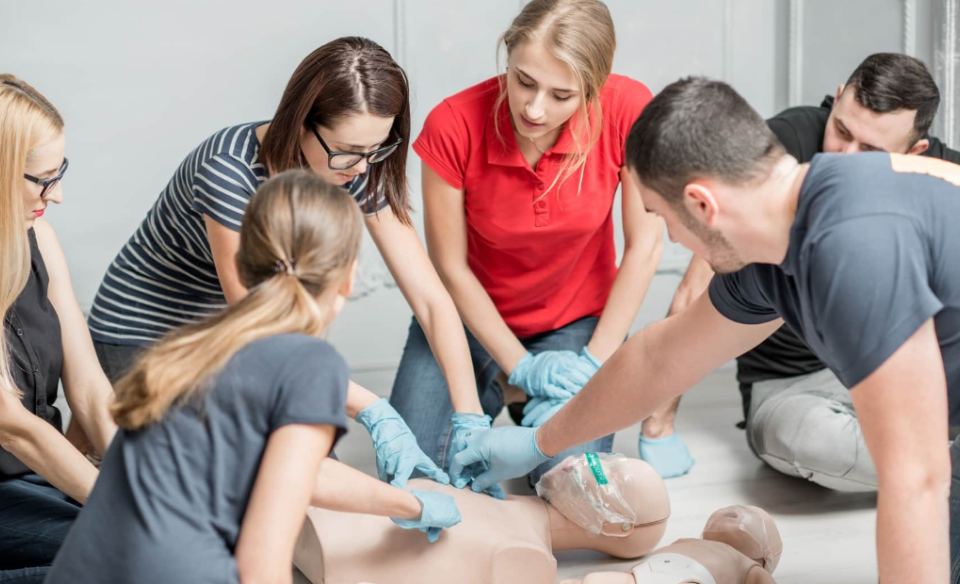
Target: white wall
[(142, 83)]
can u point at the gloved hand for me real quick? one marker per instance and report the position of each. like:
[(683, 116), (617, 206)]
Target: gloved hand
[(589, 363), (398, 454), (538, 410), (464, 426), (551, 374), (438, 511), (668, 456), (510, 452)]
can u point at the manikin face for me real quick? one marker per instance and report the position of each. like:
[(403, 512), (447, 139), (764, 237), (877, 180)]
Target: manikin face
[(361, 132), (43, 161), (853, 128), (688, 229), (542, 91)]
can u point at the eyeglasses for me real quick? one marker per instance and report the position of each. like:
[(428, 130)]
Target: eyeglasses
[(345, 160), (48, 183)]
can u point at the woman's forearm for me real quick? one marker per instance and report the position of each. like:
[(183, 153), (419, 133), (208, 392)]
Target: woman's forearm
[(637, 268), (47, 452), (358, 399), (444, 331), (92, 410), (482, 318), (342, 488)]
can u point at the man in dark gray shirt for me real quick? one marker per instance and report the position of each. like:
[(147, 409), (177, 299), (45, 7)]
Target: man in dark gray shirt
[(857, 254), (799, 418)]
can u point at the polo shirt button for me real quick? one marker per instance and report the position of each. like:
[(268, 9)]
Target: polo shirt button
[(36, 368), (540, 185), (19, 332), (541, 204), (40, 402)]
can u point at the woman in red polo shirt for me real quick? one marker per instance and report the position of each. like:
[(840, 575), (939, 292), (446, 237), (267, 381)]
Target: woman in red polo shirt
[(519, 178)]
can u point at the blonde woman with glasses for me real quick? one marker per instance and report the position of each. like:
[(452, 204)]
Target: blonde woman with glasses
[(43, 478)]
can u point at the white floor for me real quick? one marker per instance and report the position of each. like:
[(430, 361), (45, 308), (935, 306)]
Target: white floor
[(828, 537)]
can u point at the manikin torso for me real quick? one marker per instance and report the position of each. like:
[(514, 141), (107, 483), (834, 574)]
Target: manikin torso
[(497, 542)]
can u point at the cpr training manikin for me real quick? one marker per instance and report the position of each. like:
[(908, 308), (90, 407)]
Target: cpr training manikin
[(606, 503)]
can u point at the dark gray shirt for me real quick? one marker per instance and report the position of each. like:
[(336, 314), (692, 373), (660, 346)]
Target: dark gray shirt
[(170, 499), (801, 131), (873, 255)]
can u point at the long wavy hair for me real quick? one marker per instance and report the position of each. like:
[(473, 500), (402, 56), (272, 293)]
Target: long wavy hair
[(27, 120), (298, 243), (579, 33)]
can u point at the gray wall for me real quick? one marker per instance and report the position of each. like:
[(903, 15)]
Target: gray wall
[(141, 84)]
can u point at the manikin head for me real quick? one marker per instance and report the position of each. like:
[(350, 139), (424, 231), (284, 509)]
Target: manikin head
[(749, 530), (886, 105), (640, 494), (699, 153)]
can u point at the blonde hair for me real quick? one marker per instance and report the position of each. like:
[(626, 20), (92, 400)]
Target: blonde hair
[(298, 241), (579, 33), (27, 120)]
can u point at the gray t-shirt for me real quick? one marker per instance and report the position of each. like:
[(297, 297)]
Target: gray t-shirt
[(170, 499), (873, 254)]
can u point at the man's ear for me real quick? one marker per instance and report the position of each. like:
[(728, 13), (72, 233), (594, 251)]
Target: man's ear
[(700, 202), (920, 147), (839, 93)]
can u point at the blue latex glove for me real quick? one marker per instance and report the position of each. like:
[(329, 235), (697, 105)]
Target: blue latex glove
[(464, 426), (668, 456), (589, 363), (538, 410), (510, 452), (398, 454), (550, 374), (438, 511)]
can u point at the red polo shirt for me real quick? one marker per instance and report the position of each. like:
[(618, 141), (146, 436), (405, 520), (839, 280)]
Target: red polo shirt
[(545, 263)]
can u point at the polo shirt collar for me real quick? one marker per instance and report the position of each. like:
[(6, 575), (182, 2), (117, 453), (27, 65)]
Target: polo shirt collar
[(505, 152)]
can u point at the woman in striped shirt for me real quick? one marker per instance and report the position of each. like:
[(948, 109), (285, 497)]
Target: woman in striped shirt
[(345, 115)]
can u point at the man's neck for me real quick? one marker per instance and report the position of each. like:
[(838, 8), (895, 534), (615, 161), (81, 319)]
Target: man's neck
[(777, 198)]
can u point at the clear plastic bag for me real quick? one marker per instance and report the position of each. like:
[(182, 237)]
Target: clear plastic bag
[(588, 490)]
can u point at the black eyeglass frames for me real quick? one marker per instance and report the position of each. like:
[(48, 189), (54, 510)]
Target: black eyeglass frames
[(48, 183), (344, 160)]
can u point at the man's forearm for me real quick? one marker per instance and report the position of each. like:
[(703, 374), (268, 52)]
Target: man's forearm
[(658, 363), (913, 534)]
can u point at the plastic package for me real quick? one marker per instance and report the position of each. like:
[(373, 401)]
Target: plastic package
[(588, 490), (749, 529)]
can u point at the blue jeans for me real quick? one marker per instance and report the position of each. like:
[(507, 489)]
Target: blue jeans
[(34, 520), (421, 396)]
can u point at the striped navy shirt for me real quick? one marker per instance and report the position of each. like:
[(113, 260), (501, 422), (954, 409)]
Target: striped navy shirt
[(164, 276)]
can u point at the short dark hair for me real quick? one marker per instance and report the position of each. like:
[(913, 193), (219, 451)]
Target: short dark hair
[(889, 82), (696, 128)]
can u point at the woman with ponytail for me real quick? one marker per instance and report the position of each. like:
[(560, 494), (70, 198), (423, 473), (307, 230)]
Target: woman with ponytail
[(345, 115), (43, 478), (226, 421)]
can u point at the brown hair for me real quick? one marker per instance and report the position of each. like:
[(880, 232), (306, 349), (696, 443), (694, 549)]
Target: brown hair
[(299, 239), (350, 75), (27, 120), (581, 34)]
